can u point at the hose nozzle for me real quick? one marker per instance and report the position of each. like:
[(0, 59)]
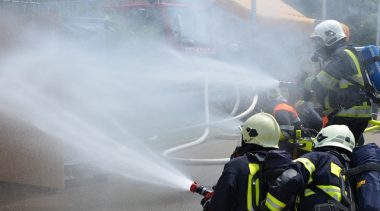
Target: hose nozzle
[(286, 83), (201, 190)]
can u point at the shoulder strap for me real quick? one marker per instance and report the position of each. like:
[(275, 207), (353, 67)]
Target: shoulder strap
[(371, 60), (362, 168), (362, 71), (261, 178), (259, 160), (368, 87)]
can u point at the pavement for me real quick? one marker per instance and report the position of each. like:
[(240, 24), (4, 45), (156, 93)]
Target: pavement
[(103, 191), (98, 191)]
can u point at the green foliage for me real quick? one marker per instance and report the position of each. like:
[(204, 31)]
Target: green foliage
[(359, 15)]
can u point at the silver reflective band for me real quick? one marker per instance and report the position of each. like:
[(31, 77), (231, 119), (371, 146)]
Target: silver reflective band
[(273, 204)]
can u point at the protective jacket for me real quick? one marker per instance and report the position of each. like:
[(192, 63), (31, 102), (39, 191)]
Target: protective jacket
[(238, 188), (320, 169), (334, 88)]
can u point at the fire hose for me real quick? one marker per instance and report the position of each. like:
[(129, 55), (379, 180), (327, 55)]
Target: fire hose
[(203, 138)]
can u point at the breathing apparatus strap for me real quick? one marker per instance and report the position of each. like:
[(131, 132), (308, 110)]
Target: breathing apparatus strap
[(362, 168), (373, 59), (346, 190), (257, 187), (368, 87)]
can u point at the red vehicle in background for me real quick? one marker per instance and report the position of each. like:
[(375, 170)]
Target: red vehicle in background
[(182, 25)]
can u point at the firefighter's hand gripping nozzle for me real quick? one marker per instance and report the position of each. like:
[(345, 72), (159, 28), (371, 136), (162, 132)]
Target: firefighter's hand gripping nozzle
[(201, 190)]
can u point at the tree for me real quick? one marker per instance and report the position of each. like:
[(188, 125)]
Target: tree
[(359, 15)]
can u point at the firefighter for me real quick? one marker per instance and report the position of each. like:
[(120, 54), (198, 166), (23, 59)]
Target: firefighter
[(234, 190), (339, 85), (285, 115), (315, 178), (309, 113), (308, 109)]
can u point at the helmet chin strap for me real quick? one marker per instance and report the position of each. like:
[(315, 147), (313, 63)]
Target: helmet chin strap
[(325, 52), (315, 57)]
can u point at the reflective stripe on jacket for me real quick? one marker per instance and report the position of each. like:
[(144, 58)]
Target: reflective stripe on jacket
[(234, 190), (253, 179), (320, 168), (331, 83)]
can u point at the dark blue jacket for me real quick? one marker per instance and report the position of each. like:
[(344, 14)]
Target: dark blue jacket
[(320, 168), (230, 192), (245, 179)]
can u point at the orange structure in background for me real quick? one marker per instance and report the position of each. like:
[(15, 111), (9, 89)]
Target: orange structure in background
[(268, 13)]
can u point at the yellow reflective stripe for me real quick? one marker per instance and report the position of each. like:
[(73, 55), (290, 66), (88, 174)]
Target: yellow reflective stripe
[(308, 165), (253, 168), (332, 190), (358, 77), (356, 111), (344, 83), (298, 201), (299, 102), (327, 80), (257, 192), (307, 144), (361, 111), (308, 192), (327, 106), (335, 169), (273, 204)]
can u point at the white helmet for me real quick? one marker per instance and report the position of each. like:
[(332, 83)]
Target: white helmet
[(261, 129), (329, 32), (336, 136)]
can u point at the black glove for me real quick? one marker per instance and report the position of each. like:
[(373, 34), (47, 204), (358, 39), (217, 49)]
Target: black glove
[(205, 202)]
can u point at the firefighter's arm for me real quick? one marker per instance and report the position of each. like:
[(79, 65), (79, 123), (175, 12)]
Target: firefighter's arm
[(224, 193), (328, 78), (280, 193), (291, 182)]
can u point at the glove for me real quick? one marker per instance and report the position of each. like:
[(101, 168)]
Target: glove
[(205, 202)]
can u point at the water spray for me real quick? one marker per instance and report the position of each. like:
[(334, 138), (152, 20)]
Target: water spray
[(201, 190)]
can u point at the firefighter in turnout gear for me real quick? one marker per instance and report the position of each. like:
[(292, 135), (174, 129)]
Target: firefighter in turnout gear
[(316, 177), (339, 85), (239, 187), (286, 116)]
